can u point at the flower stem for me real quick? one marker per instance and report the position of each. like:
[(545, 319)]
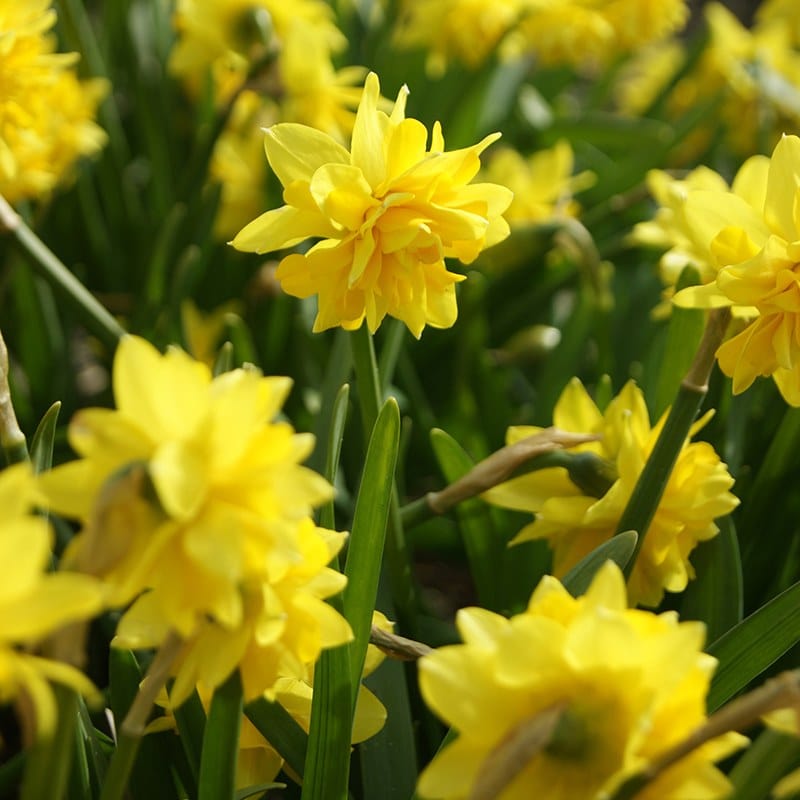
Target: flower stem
[(12, 439), (47, 264), (132, 728), (652, 482), (782, 691)]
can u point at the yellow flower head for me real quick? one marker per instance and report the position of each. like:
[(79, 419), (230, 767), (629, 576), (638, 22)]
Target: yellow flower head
[(543, 184), (388, 212), (468, 30), (757, 252), (46, 113), (237, 163), (575, 521), (589, 32), (190, 488), (687, 238), (750, 72), (284, 625), (34, 603), (628, 684), (315, 93), (222, 39)]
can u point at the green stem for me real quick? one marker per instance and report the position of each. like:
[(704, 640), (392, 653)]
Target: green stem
[(47, 264), (119, 769), (132, 729), (217, 779), (649, 489), (48, 765), (12, 439), (368, 382)]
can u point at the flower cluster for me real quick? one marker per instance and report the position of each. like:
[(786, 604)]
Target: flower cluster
[(578, 32), (46, 113), (587, 33), (194, 503), (626, 684), (750, 73), (575, 518), (33, 605), (388, 212), (756, 250), (275, 62)]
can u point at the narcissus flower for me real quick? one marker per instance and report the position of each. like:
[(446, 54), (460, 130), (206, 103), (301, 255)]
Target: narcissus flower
[(588, 32), (189, 490), (46, 113), (388, 213), (467, 30), (543, 183), (576, 519), (35, 603), (757, 253), (688, 237), (627, 685), (222, 39)]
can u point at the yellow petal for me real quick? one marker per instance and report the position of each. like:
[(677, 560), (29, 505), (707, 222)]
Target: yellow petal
[(366, 149), (295, 152)]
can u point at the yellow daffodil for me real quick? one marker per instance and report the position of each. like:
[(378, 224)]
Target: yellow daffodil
[(468, 30), (189, 489), (627, 685), (576, 520), (284, 625), (688, 238), (35, 603), (237, 163), (46, 113), (388, 212), (543, 183), (757, 253), (588, 32), (750, 73), (314, 92), (223, 39)]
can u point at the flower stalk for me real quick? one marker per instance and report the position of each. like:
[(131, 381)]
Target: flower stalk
[(650, 487), (12, 439), (48, 265)]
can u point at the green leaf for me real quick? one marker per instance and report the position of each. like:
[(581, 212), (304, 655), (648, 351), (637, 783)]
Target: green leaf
[(190, 718), (749, 648), (368, 532), (715, 595), (281, 730), (336, 688), (221, 742), (618, 549), (224, 360), (334, 449), (764, 763), (42, 442), (485, 549), (257, 789)]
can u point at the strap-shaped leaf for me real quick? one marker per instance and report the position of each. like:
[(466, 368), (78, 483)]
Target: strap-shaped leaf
[(746, 650), (618, 549)]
